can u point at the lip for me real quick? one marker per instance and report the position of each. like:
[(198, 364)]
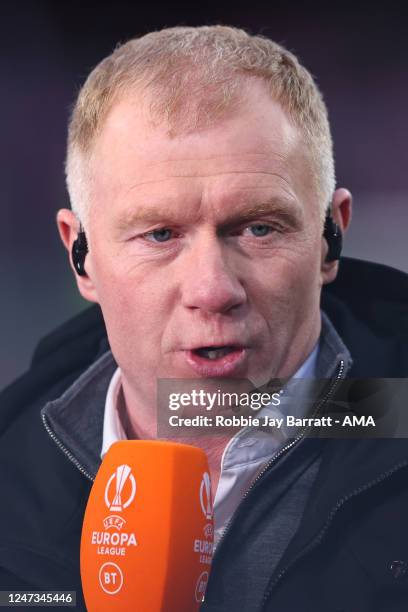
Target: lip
[(228, 365)]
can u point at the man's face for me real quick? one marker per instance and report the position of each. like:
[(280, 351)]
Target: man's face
[(205, 248)]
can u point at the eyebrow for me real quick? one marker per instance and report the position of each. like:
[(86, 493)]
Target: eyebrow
[(144, 214), (285, 208)]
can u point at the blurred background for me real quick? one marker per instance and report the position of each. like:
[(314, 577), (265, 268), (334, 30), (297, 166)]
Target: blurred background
[(358, 54)]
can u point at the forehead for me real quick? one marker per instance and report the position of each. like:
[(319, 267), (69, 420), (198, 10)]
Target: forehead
[(254, 148)]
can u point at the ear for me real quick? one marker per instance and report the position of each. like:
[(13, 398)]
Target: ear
[(341, 209), (68, 227)]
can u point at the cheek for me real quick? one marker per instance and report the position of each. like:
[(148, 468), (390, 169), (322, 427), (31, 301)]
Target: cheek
[(287, 281), (135, 313)]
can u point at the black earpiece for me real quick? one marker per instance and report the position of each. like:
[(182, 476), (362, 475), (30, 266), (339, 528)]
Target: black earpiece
[(79, 251), (334, 238)]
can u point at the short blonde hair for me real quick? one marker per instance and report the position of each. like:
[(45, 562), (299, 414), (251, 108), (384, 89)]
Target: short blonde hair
[(192, 76)]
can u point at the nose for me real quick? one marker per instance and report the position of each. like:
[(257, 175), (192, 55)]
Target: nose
[(209, 282)]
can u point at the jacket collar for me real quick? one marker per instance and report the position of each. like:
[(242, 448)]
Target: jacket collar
[(75, 420)]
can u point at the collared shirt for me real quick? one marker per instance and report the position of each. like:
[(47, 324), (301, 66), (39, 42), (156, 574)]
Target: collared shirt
[(246, 453)]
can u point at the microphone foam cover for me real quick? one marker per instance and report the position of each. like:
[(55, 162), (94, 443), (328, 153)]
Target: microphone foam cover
[(147, 536)]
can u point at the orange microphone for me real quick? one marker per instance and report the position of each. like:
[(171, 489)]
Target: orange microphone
[(147, 536)]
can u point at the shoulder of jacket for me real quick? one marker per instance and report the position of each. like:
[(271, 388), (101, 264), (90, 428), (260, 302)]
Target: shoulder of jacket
[(58, 360)]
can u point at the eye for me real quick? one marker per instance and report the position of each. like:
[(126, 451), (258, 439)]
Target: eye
[(260, 229), (159, 235)]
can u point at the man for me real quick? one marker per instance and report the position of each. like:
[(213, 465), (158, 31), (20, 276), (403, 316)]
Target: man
[(204, 223)]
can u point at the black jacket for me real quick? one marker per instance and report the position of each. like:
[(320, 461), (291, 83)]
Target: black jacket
[(350, 553)]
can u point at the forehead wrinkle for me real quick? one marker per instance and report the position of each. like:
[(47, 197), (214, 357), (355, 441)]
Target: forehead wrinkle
[(211, 174), (227, 156), (187, 167)]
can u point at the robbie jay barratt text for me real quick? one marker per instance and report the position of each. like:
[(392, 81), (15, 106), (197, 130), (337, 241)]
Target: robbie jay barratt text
[(268, 421)]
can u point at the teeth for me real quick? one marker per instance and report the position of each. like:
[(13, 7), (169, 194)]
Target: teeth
[(214, 353)]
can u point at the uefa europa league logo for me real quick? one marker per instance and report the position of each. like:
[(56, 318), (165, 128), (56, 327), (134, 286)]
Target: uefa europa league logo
[(205, 496), (119, 478)]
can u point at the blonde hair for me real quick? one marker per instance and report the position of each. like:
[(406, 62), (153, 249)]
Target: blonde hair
[(192, 76)]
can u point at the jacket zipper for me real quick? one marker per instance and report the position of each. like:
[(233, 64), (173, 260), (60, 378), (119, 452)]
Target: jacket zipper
[(66, 452), (318, 539), (284, 449)]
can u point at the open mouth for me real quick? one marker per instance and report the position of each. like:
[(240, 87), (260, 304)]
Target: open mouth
[(214, 352), (225, 360)]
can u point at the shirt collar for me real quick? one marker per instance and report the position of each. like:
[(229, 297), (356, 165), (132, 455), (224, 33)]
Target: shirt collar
[(308, 367), (112, 427)]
